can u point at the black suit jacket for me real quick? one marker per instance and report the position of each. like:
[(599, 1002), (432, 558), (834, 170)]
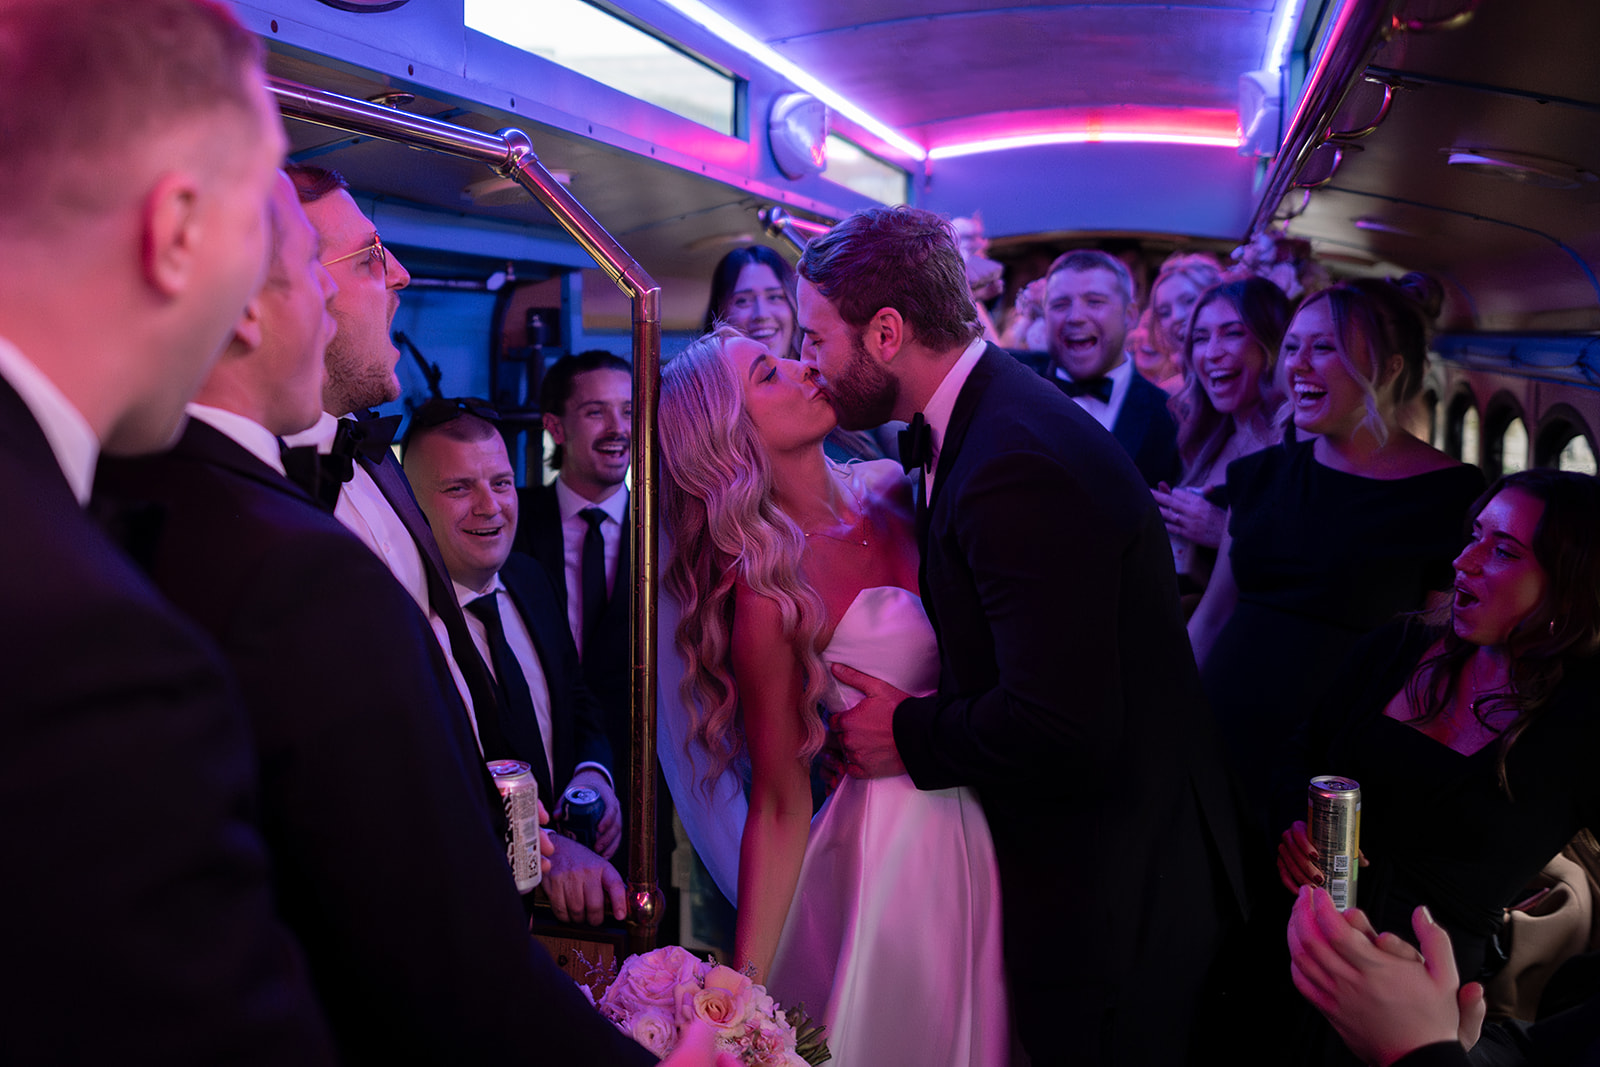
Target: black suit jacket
[(387, 867), (1144, 427), (606, 667), (575, 723), (135, 914), (1068, 697)]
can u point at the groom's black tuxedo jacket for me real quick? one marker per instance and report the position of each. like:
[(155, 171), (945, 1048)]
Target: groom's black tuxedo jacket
[(135, 912), (386, 864), (1068, 697)]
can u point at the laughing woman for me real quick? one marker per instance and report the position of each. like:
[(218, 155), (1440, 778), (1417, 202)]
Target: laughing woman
[(1330, 538), (1226, 410)]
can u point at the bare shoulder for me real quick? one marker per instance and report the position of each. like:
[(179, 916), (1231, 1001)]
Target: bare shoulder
[(882, 479)]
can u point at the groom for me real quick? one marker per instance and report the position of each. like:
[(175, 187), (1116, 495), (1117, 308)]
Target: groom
[(1068, 696)]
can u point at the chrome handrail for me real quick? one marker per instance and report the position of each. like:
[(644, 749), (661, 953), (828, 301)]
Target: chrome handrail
[(1359, 29), (510, 153)]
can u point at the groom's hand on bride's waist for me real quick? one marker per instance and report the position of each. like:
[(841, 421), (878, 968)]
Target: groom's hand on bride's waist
[(866, 731)]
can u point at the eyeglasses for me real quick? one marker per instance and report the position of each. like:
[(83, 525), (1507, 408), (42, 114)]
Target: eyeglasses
[(375, 249)]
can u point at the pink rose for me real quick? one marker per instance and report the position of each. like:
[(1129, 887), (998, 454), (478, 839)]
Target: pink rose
[(654, 1029), (650, 980), (726, 1000)]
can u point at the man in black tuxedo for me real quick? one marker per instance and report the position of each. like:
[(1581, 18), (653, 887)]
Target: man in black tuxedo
[(383, 854), (1089, 310), (1068, 697), (456, 460), (370, 494), (136, 914), (587, 401)]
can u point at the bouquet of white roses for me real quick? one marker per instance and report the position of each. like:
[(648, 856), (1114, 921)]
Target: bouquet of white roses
[(656, 994)]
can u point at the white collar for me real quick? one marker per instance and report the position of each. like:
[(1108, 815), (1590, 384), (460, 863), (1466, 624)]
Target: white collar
[(66, 431), (245, 432), (465, 596), (570, 502), (942, 404), (321, 435)]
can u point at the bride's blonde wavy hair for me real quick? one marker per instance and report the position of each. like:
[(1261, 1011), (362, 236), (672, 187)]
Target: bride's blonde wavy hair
[(725, 530)]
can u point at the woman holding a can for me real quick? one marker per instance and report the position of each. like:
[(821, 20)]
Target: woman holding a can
[(1226, 410), (1329, 538), (1472, 730)]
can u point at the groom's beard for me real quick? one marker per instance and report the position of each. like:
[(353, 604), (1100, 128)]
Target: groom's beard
[(865, 395)]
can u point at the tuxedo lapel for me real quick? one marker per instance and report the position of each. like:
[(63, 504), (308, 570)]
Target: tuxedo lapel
[(441, 593)]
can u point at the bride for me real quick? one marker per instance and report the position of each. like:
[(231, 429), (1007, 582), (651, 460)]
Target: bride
[(881, 915)]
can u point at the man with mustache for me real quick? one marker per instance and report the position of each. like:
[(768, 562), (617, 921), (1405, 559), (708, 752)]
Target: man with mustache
[(577, 527)]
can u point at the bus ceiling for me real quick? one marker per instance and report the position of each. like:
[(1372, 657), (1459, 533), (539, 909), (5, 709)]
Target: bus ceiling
[(1453, 136)]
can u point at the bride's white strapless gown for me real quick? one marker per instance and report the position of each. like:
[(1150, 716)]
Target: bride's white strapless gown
[(893, 939)]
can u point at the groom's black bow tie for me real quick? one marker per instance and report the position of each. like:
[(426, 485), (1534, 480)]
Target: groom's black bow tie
[(1099, 388), (369, 435), (916, 444)]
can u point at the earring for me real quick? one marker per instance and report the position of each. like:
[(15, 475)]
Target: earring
[(1552, 627)]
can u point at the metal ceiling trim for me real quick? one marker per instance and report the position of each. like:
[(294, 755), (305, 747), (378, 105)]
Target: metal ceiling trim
[(1359, 29), (510, 154)]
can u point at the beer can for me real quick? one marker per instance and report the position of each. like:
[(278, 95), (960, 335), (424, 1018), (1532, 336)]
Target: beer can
[(581, 811), (1333, 822), (519, 790)]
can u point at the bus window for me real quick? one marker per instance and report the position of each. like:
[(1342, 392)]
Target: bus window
[(1577, 456), (1469, 437), (1513, 447)]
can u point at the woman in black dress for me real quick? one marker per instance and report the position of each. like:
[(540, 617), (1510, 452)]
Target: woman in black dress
[(1327, 538), (1473, 732)]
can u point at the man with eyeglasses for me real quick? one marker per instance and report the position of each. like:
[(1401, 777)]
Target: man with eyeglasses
[(383, 854), (374, 501), (457, 462)]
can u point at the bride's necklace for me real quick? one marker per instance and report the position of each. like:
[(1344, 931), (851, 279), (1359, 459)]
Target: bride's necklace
[(859, 526)]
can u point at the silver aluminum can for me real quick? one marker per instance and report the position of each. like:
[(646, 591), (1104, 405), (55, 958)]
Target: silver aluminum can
[(1333, 822), (519, 790)]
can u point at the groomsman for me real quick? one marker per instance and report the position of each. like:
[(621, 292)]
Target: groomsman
[(457, 462), (139, 151), (577, 527)]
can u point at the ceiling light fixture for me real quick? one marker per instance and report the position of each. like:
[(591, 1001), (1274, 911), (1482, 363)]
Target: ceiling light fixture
[(1000, 144), (720, 27)]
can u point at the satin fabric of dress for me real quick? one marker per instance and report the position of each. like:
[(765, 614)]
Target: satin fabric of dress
[(894, 936)]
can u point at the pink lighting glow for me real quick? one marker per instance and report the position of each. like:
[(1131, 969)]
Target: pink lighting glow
[(1122, 125)]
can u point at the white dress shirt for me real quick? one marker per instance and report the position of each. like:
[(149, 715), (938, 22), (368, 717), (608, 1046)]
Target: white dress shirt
[(366, 513), (574, 529), (1104, 411), (68, 433), (522, 647), (936, 413)]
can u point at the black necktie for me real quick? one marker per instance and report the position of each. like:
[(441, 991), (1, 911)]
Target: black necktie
[(1099, 388), (916, 444), (515, 731), (594, 574)]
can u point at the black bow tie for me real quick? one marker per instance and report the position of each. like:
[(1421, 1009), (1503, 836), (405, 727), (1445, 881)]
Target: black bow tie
[(368, 435), (324, 474), (1099, 388), (916, 444)]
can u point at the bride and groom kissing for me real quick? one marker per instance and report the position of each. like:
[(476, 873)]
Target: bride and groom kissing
[(1035, 832)]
